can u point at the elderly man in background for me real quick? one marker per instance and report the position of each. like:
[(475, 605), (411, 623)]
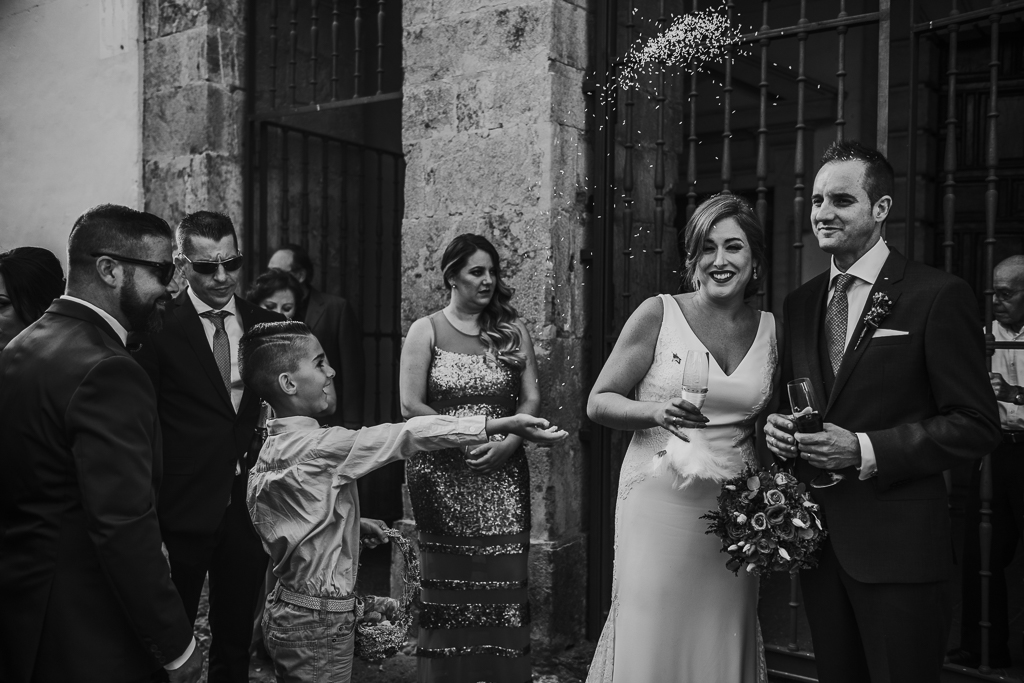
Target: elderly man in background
[(1007, 504), (334, 324), (208, 418), (87, 592)]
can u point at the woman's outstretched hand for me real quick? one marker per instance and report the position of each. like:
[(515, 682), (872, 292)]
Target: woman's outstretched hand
[(678, 415)]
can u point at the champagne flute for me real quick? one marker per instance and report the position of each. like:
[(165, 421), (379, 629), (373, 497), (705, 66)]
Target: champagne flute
[(808, 420), (695, 377)]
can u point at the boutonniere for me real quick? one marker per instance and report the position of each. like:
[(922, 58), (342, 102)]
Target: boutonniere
[(676, 358), (881, 304)]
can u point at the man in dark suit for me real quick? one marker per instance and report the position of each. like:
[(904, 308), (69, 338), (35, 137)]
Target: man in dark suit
[(87, 595), (894, 353), (334, 324), (208, 418)]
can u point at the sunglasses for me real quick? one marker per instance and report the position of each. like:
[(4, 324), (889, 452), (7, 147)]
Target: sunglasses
[(210, 267), (164, 269)]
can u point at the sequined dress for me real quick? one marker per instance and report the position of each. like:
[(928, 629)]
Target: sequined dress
[(474, 530), (677, 614)]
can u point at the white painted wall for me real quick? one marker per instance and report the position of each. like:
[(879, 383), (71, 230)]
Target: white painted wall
[(70, 115)]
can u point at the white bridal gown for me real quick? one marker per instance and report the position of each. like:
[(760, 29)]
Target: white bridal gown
[(677, 614)]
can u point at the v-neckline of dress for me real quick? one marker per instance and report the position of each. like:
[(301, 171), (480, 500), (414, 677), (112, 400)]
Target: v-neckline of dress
[(760, 321)]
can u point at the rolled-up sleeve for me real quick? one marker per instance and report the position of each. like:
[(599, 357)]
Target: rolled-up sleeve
[(361, 451)]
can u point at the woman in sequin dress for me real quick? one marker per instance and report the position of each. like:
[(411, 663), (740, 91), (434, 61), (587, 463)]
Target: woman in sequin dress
[(677, 614), (472, 509)]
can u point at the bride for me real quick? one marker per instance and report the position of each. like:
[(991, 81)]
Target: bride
[(677, 614)]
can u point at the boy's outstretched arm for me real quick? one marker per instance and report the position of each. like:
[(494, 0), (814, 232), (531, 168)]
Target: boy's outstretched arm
[(531, 428)]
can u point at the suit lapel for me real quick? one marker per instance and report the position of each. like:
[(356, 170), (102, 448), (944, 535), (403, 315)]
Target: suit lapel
[(248, 314), (315, 309), (807, 331), (186, 314), (887, 281)]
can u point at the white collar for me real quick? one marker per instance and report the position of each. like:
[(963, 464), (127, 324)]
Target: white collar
[(111, 320), (203, 307), (866, 267), (279, 425)]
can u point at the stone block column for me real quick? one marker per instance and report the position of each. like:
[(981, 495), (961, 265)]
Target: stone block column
[(493, 121), (193, 107)]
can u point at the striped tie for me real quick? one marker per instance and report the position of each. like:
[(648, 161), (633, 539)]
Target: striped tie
[(221, 349), (835, 321)]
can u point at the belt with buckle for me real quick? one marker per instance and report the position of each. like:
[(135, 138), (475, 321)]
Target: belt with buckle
[(310, 602), (1013, 435)]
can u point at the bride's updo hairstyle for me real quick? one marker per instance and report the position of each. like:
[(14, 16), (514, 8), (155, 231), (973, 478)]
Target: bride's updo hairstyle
[(497, 322), (705, 217)]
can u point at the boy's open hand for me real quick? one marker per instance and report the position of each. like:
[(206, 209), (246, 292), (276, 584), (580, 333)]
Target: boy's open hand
[(535, 429), (371, 532)]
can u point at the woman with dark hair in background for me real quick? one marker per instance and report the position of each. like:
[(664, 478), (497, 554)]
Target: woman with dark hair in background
[(472, 508), (30, 279), (276, 291)]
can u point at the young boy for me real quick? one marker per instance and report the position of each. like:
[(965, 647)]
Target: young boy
[(303, 501)]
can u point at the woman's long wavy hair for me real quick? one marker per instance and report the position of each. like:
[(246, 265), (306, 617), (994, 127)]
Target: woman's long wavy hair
[(691, 242), (498, 331)]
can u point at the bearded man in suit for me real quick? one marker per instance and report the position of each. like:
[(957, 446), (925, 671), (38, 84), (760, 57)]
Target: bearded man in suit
[(895, 357), (208, 418), (87, 592)]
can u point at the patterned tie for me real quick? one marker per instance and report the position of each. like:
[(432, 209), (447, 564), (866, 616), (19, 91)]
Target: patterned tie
[(835, 321), (221, 349)]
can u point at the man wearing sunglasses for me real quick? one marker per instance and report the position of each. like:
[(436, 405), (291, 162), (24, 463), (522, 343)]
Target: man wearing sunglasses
[(207, 418), (87, 592)]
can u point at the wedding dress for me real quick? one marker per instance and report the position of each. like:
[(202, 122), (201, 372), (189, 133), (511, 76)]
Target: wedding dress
[(677, 614)]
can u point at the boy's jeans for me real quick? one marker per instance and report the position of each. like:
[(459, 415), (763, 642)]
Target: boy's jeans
[(309, 646)]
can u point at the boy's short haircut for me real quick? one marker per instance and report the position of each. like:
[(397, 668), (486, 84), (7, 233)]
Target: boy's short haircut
[(267, 350)]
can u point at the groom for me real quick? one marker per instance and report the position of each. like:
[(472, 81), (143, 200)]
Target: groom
[(903, 399)]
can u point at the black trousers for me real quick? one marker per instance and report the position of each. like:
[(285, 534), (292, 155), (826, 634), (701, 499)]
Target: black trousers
[(874, 632), (1007, 526), (236, 563)]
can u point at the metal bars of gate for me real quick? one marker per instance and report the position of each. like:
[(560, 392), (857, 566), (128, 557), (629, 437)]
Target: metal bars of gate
[(318, 74), (350, 206), (951, 26)]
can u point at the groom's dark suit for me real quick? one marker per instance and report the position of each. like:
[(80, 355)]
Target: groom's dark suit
[(203, 515), (924, 401)]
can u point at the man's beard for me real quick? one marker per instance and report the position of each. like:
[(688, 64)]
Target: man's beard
[(142, 317)]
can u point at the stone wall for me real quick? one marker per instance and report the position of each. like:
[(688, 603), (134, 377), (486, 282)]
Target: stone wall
[(493, 122), (193, 107)]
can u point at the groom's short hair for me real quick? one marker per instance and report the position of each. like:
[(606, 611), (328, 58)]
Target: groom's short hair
[(878, 173)]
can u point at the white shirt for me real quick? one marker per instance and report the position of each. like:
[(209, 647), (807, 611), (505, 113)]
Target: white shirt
[(865, 271), (1010, 364), (111, 320), (123, 334), (233, 328)]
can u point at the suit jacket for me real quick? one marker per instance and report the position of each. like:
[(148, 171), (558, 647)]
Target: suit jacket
[(87, 594), (203, 437), (334, 323), (923, 399)]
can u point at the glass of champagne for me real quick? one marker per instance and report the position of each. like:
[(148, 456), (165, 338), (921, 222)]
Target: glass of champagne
[(695, 377), (808, 420)]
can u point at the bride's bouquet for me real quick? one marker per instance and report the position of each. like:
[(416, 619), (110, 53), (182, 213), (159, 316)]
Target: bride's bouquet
[(767, 522)]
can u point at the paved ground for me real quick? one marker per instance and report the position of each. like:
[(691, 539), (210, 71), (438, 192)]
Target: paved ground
[(569, 666)]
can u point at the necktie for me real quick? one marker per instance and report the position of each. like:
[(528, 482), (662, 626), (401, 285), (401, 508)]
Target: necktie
[(835, 321), (221, 349)]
